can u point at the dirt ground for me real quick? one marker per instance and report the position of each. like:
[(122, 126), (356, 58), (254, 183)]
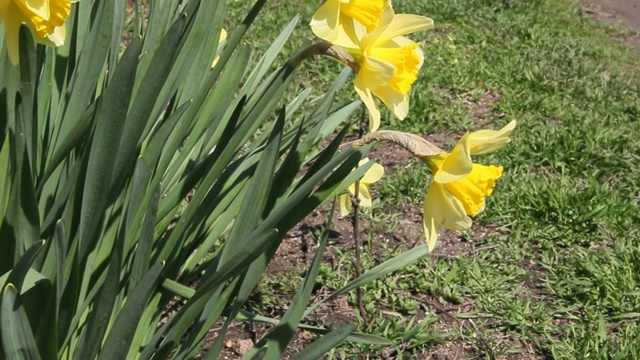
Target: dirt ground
[(296, 251), (625, 11)]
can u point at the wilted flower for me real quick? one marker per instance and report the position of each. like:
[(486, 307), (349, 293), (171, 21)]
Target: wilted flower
[(375, 173), (45, 18), (460, 186)]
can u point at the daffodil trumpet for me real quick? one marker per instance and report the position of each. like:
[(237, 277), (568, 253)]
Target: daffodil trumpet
[(45, 18)]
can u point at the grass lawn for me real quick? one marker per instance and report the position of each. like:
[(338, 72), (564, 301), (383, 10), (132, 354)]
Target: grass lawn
[(552, 267)]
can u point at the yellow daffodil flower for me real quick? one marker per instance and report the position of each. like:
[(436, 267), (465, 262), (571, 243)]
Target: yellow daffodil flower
[(221, 40), (459, 186), (375, 173), (333, 16), (389, 66), (386, 61), (45, 18)]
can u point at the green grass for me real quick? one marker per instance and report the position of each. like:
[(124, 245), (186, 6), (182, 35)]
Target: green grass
[(563, 279)]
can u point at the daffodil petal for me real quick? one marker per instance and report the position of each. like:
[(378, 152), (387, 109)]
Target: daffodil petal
[(39, 8), (369, 102), (375, 173), (486, 141), (375, 73), (397, 102), (363, 161), (221, 40), (430, 232), (324, 22), (400, 24), (352, 189), (387, 15), (457, 164), (345, 204), (4, 4), (442, 209), (364, 196), (445, 208), (347, 33)]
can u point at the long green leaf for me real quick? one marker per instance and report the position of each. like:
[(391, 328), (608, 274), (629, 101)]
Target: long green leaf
[(258, 194), (90, 66), (27, 97), (254, 273), (370, 339), (210, 116), (76, 135), (66, 188), (21, 268), (269, 57), (5, 181), (22, 218), (276, 341), (100, 314), (240, 260), (254, 202), (145, 98), (318, 348), (201, 45), (109, 125), (60, 244), (383, 269), (221, 155), (149, 158), (117, 344), (17, 337), (145, 244)]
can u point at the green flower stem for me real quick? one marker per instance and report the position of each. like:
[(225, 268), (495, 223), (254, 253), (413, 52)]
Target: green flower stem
[(356, 217)]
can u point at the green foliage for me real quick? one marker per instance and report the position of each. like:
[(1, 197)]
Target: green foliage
[(136, 174), (550, 269)]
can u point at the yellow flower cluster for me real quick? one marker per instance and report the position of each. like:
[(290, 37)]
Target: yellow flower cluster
[(45, 18), (387, 66)]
